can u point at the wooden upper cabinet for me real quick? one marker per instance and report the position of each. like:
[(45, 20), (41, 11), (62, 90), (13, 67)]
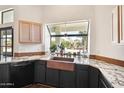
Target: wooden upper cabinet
[(36, 32), (29, 32), (24, 31)]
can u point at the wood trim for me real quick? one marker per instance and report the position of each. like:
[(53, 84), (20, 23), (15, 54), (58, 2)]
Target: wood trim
[(38, 85), (108, 60), (28, 54), (92, 56)]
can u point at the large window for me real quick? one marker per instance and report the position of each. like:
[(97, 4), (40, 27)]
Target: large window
[(7, 16), (73, 36)]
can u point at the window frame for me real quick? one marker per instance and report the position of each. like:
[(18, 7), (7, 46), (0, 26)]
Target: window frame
[(8, 10), (72, 35)]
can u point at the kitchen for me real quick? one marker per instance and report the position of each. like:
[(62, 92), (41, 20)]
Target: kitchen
[(32, 52)]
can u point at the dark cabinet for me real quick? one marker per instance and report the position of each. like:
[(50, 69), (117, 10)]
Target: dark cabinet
[(22, 73), (82, 76), (67, 79), (5, 76), (52, 77), (103, 83), (40, 71), (93, 77)]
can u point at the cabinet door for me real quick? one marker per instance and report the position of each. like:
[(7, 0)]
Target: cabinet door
[(93, 77), (82, 76), (4, 76), (40, 70), (36, 32), (103, 82), (18, 76), (22, 74), (67, 79), (29, 73), (82, 79), (52, 77), (24, 32)]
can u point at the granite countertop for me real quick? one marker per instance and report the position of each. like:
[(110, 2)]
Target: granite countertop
[(113, 73)]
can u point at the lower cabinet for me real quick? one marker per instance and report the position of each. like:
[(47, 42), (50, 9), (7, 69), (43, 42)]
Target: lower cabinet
[(93, 77), (22, 74), (52, 77), (5, 76), (103, 83), (40, 71), (67, 79), (82, 76)]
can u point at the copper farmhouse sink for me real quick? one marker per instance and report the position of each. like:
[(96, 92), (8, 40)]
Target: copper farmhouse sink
[(61, 63)]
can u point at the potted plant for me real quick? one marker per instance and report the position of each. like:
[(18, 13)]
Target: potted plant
[(62, 48), (74, 54), (53, 48), (69, 54)]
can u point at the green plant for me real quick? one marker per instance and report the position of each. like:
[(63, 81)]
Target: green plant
[(74, 53), (62, 47), (69, 54), (53, 48)]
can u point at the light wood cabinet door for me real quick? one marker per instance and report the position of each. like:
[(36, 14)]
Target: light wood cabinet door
[(24, 32), (36, 32)]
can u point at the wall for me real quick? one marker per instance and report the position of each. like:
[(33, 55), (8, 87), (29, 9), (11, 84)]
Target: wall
[(4, 7), (100, 18), (29, 13), (63, 13), (104, 45)]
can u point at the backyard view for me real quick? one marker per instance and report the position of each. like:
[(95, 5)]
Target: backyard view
[(72, 37)]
